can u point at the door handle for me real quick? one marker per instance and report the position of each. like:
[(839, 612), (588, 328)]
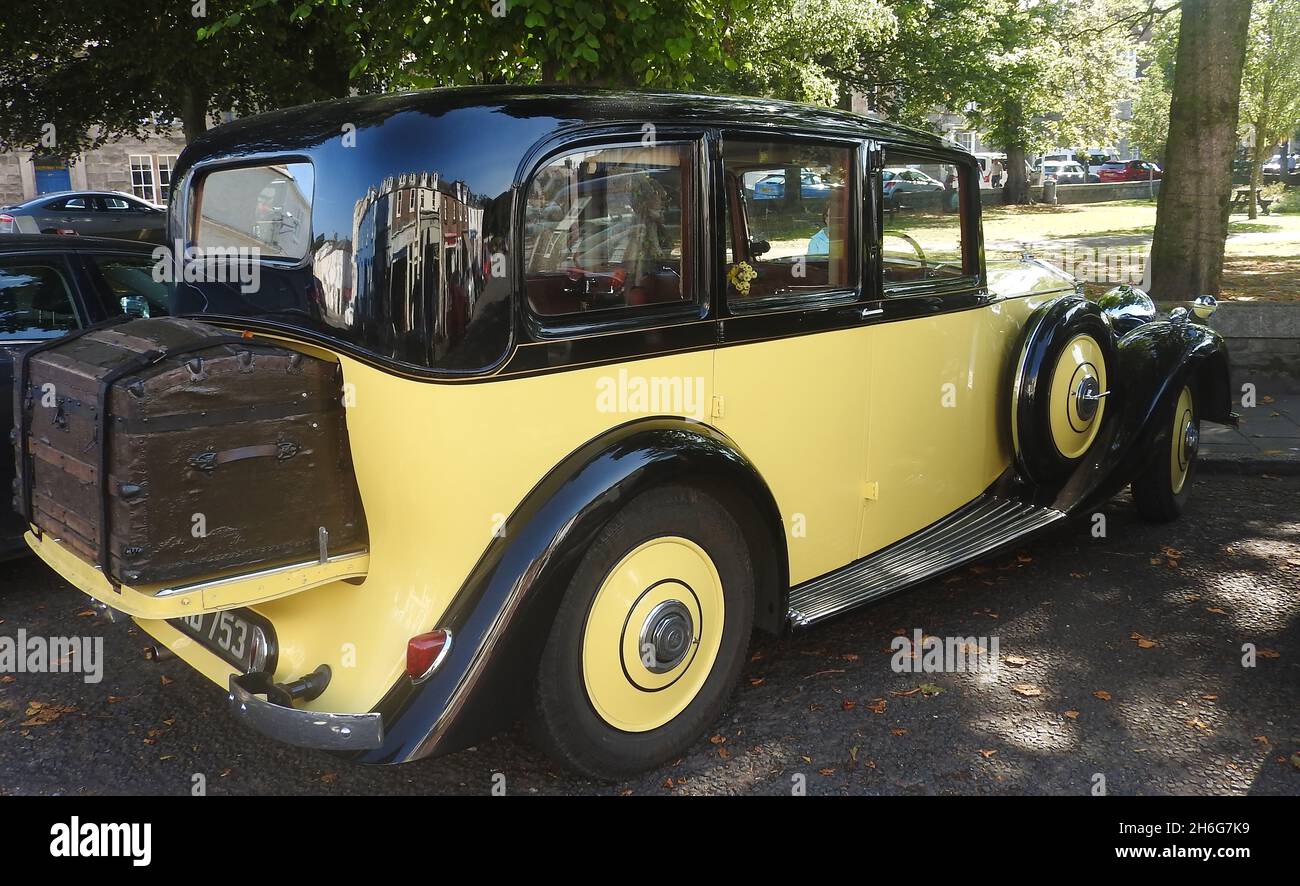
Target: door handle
[(871, 312)]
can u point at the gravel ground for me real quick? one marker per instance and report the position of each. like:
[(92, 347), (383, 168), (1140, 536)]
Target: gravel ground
[(1121, 658)]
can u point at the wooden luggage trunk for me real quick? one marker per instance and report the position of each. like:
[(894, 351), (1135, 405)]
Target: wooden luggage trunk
[(221, 453)]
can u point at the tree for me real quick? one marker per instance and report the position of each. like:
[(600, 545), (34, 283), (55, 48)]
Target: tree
[(1270, 88), (76, 75), (1050, 78), (1192, 211), (1148, 130)]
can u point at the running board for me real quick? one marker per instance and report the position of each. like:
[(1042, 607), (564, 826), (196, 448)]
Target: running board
[(978, 528)]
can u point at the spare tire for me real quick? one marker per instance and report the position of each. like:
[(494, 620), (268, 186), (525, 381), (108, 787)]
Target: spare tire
[(1063, 375)]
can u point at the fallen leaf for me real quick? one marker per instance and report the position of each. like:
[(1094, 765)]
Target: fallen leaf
[(1210, 697), (896, 731), (1216, 610), (848, 704), (1102, 694), (1028, 690), (1199, 724), (114, 699), (86, 613), (167, 681), (1073, 715), (827, 771), (905, 693), (877, 706), (1262, 739), (1016, 661), (1295, 760), (988, 752), (8, 678), (930, 690), (329, 777), (756, 681), (1269, 653), (717, 739), (39, 713), (724, 753)]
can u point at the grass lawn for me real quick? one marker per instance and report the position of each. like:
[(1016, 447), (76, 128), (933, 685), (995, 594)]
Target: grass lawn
[(1261, 262)]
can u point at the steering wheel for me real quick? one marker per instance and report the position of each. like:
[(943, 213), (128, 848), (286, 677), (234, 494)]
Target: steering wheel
[(916, 247)]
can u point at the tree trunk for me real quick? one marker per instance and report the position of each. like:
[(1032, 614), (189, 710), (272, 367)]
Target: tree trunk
[(1192, 212), (1256, 173), (194, 112), (1016, 189)]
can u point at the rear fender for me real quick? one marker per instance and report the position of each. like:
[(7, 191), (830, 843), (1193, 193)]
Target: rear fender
[(501, 617)]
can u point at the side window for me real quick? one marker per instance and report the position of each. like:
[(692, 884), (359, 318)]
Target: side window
[(35, 299), (130, 285), (70, 204), (609, 229), (787, 220), (116, 204), (922, 237)]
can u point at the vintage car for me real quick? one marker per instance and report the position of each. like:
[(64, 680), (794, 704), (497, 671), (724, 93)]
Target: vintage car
[(605, 413)]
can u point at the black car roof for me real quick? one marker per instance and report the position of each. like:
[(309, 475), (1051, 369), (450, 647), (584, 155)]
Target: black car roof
[(304, 126), (62, 243)]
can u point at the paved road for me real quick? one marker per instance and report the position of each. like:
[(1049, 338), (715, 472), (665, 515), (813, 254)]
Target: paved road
[(1182, 714)]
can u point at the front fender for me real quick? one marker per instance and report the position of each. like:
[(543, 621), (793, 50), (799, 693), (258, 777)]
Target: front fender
[(1154, 361), (501, 617)]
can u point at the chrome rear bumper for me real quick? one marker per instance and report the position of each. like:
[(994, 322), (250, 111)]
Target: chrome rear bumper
[(308, 729)]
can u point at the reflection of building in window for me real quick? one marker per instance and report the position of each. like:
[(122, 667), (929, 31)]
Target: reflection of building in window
[(267, 208), (418, 267)]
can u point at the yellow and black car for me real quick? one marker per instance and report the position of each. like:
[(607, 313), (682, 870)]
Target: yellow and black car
[(626, 376)]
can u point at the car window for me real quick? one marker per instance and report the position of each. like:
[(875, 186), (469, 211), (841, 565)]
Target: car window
[(264, 208), (35, 299), (68, 204), (130, 286), (608, 229), (790, 237), (922, 237), (117, 204)]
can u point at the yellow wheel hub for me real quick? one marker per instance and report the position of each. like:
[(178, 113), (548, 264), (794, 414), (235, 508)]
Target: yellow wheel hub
[(1078, 380), (1183, 444), (652, 634)]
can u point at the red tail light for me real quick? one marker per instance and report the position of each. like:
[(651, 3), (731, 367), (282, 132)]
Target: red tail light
[(426, 652), (6, 224)]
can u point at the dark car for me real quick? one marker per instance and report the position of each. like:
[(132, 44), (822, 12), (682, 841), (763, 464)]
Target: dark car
[(50, 286), (87, 214), (1129, 171)]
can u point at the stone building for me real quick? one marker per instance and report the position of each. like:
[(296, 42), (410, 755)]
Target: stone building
[(137, 166)]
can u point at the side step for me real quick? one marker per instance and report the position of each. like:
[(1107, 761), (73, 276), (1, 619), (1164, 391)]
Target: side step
[(982, 526)]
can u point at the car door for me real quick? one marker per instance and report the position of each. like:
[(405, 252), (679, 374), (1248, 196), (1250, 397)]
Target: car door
[(937, 362), (38, 301), (75, 215), (790, 374)]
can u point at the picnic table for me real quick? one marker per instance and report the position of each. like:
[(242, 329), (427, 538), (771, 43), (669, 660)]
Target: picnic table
[(1241, 200)]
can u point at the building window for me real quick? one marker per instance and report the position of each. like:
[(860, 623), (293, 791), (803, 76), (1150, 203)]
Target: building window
[(965, 140), (166, 163), (142, 177)]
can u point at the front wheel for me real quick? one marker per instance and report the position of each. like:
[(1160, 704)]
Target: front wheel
[(650, 638), (1161, 491)]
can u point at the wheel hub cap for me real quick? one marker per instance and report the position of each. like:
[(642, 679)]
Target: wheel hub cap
[(666, 636), (1086, 399)]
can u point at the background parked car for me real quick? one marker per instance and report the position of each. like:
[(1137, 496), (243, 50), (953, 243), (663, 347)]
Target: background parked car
[(1273, 171), (87, 213), (811, 186), (903, 180), (50, 286), (1065, 173), (1129, 171)]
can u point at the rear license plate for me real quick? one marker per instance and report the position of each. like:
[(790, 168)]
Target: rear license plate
[(237, 636)]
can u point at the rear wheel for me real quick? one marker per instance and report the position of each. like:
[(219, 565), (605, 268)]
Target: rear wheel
[(650, 637), (1161, 491)]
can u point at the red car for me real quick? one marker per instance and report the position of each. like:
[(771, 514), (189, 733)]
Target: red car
[(1129, 171)]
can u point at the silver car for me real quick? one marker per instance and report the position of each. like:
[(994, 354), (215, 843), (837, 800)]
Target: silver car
[(87, 213)]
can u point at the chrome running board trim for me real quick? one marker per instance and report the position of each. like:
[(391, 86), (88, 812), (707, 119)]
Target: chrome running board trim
[(984, 525)]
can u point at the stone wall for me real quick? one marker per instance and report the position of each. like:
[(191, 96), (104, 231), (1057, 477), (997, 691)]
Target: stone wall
[(1094, 193), (11, 180)]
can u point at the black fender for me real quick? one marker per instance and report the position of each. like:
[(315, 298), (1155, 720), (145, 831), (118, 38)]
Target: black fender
[(1046, 334), (500, 618), (1154, 361)]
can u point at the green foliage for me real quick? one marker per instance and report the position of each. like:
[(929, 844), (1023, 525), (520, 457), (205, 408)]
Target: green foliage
[(1270, 85)]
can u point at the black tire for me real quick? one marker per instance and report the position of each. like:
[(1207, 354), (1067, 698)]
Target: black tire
[(566, 724), (1153, 490)]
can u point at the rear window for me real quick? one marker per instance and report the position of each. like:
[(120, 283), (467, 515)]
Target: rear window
[(264, 208), (35, 299)]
